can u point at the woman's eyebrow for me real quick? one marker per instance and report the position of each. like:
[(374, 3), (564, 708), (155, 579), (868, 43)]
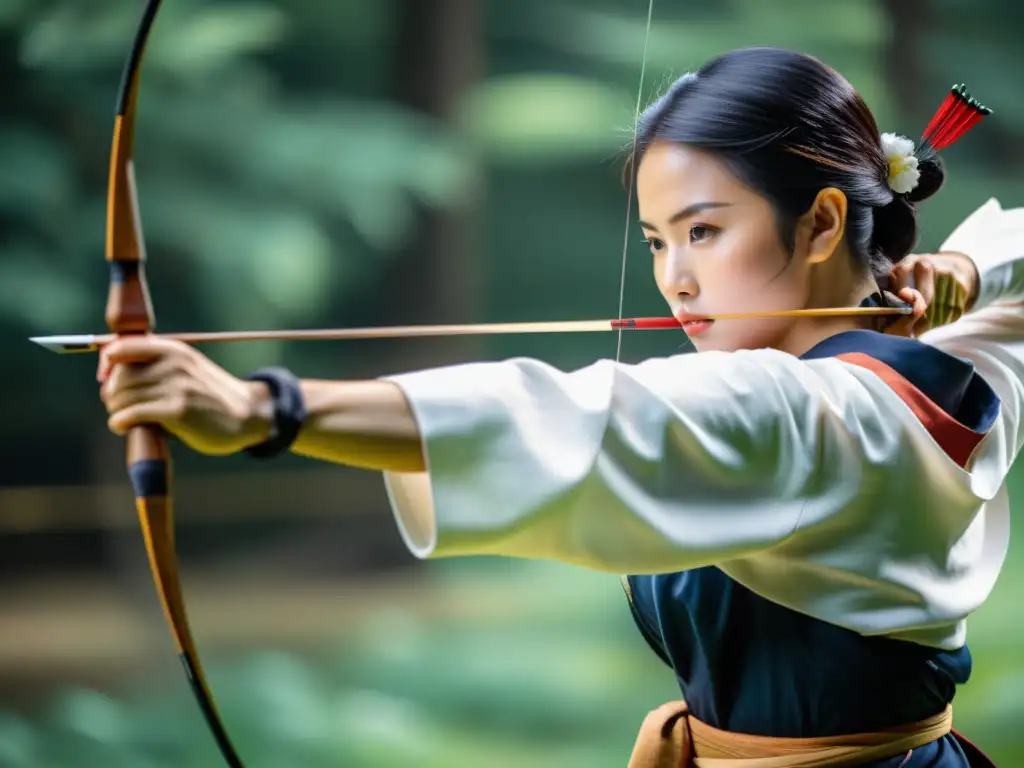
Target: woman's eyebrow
[(687, 212)]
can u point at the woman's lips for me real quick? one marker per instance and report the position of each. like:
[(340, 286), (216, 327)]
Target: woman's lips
[(694, 325)]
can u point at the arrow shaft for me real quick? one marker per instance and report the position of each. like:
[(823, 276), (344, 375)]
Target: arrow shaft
[(93, 342)]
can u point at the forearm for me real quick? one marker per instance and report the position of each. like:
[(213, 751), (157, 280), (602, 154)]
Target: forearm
[(366, 424)]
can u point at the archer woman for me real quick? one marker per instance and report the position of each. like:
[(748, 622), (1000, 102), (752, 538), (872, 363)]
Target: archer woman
[(811, 507)]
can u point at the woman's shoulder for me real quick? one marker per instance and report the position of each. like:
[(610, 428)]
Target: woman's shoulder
[(945, 392)]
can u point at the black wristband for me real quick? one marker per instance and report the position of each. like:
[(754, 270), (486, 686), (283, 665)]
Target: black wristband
[(289, 411)]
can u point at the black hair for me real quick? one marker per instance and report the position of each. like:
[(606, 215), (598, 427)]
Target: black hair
[(788, 126)]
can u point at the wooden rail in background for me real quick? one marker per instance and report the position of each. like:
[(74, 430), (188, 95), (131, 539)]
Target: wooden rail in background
[(202, 499)]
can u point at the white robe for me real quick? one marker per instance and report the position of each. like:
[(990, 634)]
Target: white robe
[(759, 462)]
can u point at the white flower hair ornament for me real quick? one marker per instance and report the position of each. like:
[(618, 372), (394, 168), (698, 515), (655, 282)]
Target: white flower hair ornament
[(904, 171)]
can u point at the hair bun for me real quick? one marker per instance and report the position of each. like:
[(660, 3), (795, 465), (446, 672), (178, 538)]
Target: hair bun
[(895, 228), (895, 232), (933, 176)]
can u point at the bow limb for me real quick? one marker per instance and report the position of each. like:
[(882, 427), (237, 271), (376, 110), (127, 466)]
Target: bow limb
[(130, 311)]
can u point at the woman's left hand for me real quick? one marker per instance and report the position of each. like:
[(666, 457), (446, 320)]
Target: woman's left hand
[(941, 287), (149, 380)]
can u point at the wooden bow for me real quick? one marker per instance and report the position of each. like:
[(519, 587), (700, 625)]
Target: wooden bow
[(130, 311)]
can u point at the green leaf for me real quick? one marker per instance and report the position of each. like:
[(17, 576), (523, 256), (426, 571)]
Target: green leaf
[(540, 118), (39, 293), (36, 175)]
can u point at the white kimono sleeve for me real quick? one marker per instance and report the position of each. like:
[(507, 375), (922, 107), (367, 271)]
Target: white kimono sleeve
[(670, 464)]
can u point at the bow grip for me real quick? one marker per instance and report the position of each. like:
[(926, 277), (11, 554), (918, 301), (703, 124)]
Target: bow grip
[(149, 468), (149, 462)]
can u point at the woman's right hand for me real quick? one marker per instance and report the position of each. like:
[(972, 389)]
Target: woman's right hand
[(940, 286)]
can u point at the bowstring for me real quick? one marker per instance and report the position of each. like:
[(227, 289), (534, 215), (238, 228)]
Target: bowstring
[(632, 175)]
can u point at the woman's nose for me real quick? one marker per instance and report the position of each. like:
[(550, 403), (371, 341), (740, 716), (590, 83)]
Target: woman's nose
[(678, 278)]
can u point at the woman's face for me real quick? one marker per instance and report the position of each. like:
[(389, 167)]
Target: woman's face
[(717, 249)]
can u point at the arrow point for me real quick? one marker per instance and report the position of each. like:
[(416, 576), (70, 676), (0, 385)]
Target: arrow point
[(65, 345)]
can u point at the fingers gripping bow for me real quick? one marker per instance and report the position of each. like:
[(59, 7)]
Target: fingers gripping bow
[(129, 311)]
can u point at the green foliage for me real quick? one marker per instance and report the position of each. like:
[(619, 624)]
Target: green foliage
[(537, 119)]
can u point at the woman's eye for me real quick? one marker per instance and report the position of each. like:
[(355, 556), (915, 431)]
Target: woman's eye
[(654, 244), (701, 232)]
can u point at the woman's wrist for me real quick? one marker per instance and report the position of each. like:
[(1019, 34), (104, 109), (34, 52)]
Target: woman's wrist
[(259, 413)]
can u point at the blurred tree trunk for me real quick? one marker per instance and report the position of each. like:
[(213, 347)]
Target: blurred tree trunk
[(905, 67), (438, 58)]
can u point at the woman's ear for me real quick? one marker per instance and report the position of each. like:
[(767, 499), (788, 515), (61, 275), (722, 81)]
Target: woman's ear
[(825, 225)]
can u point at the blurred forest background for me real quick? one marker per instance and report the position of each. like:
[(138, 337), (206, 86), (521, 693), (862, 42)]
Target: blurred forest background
[(310, 163)]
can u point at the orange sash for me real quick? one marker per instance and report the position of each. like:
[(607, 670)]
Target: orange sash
[(671, 738)]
